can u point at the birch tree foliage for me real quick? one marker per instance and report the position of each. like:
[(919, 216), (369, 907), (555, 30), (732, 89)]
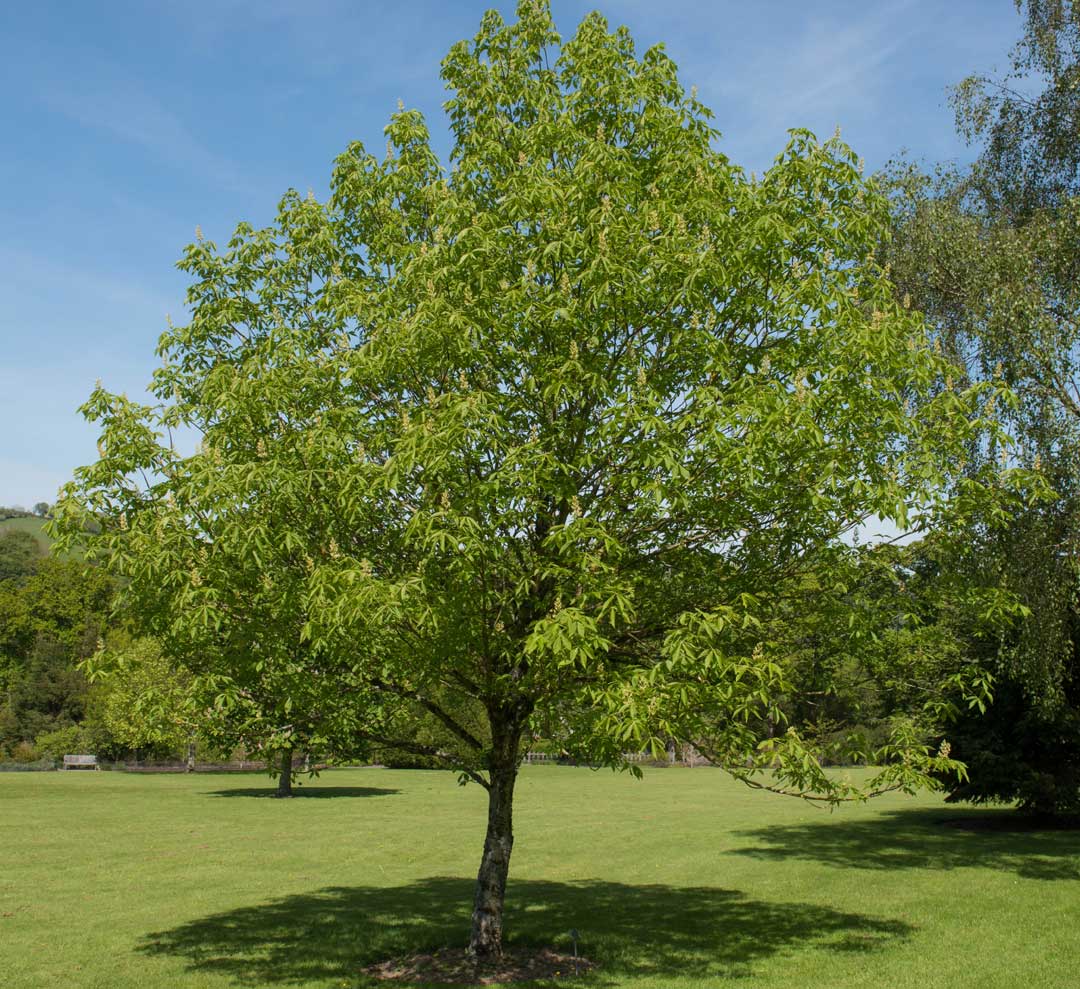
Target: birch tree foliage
[(991, 255), (541, 427), (1027, 120)]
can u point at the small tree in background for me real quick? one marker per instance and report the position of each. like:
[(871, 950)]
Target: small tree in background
[(231, 657), (534, 436), (144, 701)]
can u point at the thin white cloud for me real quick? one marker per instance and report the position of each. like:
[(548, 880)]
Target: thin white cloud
[(24, 274), (128, 112), (830, 68), (844, 59)]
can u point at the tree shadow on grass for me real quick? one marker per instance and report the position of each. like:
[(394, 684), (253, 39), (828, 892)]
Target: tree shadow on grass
[(325, 792), (939, 838), (328, 935)]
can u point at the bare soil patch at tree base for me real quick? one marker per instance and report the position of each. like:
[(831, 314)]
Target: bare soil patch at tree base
[(456, 967)]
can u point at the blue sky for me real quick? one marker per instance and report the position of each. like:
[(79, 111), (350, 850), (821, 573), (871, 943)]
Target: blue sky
[(128, 122)]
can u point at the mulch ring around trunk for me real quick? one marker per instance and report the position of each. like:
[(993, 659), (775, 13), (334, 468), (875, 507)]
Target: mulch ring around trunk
[(455, 967)]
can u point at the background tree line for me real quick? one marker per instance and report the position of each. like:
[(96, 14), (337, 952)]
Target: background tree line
[(75, 676)]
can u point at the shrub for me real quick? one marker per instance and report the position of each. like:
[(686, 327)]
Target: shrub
[(24, 752), (56, 744), (1019, 750)]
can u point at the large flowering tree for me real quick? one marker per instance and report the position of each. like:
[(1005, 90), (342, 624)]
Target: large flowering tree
[(538, 431)]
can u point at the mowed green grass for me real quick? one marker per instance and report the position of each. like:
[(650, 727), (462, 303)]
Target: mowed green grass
[(684, 879)]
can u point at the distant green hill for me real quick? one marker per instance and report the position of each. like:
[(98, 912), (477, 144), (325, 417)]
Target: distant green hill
[(31, 524), (36, 527)]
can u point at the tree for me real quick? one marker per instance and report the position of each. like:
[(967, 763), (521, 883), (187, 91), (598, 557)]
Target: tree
[(1030, 139), (992, 256), (41, 509), (229, 656), (535, 435), (19, 554), (144, 701), (48, 622)]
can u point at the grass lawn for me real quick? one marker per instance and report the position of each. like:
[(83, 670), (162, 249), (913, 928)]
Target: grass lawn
[(684, 879)]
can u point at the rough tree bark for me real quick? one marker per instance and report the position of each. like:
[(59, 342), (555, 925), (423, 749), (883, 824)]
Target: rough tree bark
[(190, 768), (485, 942), (284, 783)]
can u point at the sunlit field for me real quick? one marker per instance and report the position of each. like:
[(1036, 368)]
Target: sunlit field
[(682, 879)]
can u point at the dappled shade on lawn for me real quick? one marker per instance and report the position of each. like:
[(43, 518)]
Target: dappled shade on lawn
[(939, 838), (626, 929)]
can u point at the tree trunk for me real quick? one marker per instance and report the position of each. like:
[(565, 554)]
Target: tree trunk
[(284, 782), (190, 768), (485, 942)]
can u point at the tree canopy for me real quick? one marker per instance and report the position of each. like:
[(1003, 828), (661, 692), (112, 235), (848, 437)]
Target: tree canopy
[(49, 621), (526, 441), (991, 255), (1027, 121)]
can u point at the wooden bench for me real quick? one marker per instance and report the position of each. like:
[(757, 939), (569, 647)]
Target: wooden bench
[(81, 762)]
